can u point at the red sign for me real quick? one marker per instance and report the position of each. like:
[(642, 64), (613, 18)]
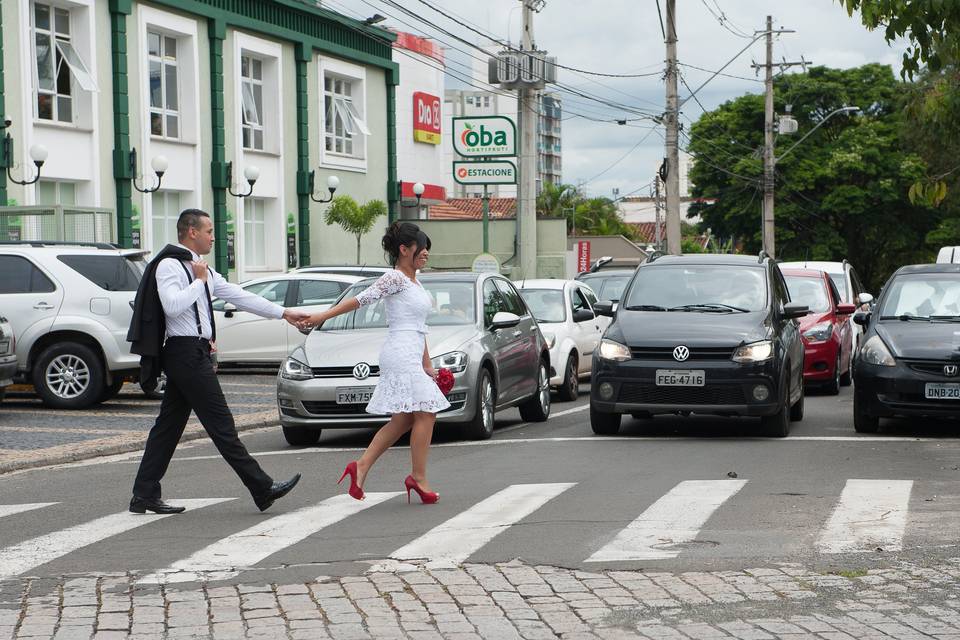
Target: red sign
[(426, 118), (583, 256)]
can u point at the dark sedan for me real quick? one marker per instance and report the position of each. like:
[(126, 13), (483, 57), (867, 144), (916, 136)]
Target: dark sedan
[(909, 362)]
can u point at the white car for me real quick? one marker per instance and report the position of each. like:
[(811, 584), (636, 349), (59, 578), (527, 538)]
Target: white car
[(246, 338), (564, 310), (948, 255)]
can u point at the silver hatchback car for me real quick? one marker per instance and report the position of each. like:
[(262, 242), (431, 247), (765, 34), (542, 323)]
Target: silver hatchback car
[(480, 329)]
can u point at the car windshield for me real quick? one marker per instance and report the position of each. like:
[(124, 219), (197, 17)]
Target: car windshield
[(607, 287), (454, 303), (841, 282), (809, 291), (545, 304), (699, 287), (923, 295)]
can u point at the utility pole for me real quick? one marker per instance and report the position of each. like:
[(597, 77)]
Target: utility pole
[(657, 237), (527, 187), (671, 121)]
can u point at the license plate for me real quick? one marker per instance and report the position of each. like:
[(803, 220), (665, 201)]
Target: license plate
[(354, 395), (943, 391), (681, 378)]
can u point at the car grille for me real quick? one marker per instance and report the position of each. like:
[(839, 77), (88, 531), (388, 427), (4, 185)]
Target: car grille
[(931, 367), (696, 353), (332, 408), (340, 372), (652, 394)]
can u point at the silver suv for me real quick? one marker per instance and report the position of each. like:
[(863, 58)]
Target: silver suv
[(70, 306), (8, 356)]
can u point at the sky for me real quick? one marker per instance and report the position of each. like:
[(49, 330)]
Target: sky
[(624, 37)]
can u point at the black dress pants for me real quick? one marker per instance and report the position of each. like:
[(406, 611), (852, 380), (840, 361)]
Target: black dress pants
[(192, 384)]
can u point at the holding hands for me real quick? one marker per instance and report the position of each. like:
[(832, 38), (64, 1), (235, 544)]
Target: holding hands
[(296, 318)]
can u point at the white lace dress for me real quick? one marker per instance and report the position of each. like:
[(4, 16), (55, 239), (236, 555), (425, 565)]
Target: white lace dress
[(404, 386)]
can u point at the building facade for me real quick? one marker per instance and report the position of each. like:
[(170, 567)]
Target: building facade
[(224, 90)]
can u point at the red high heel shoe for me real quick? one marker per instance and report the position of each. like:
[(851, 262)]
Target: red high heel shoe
[(356, 492), (426, 497)]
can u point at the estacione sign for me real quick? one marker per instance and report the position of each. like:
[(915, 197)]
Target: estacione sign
[(484, 136), (426, 118)]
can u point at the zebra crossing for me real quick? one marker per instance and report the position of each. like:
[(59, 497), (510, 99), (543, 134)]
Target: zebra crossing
[(865, 514)]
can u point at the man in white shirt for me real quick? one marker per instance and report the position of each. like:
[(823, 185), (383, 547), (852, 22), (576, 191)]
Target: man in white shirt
[(185, 290)]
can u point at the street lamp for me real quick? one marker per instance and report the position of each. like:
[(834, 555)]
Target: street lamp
[(38, 153), (418, 191), (332, 183), (251, 173), (159, 165), (819, 124)]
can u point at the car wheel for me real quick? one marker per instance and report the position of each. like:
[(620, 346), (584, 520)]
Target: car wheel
[(537, 408), (301, 437), (570, 388), (68, 375), (833, 387), (863, 422), (796, 411), (847, 378), (481, 427), (778, 425), (156, 393), (604, 424), (110, 391)]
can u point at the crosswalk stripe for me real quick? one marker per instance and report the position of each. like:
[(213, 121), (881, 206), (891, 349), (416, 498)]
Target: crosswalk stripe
[(869, 514), (13, 509), (676, 517), (222, 559), (32, 553), (455, 540)]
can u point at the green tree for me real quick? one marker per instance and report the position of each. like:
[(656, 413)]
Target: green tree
[(843, 193), (353, 218)]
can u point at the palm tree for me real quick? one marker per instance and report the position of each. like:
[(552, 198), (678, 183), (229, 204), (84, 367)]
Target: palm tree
[(355, 219), (559, 201)]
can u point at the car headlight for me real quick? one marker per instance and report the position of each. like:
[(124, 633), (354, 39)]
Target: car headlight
[(754, 352), (610, 350), (819, 332), (875, 352), (456, 361), (295, 370), (551, 339)]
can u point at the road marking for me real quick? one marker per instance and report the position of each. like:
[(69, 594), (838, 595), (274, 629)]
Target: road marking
[(226, 557), (871, 514), (32, 553), (12, 509), (452, 542), (675, 518)]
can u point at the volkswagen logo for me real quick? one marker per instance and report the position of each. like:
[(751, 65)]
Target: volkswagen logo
[(950, 370), (361, 371), (681, 353)]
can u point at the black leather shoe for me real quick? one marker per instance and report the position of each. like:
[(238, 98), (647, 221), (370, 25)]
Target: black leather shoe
[(277, 490), (142, 505)]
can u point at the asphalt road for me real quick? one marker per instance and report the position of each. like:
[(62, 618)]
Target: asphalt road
[(670, 494)]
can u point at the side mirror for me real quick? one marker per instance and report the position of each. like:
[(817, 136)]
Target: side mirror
[(862, 318), (504, 320), (846, 309), (583, 315), (864, 298), (794, 310), (604, 308), (229, 309)]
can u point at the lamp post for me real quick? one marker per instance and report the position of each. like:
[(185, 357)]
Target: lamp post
[(251, 173), (159, 165), (38, 153), (418, 189), (332, 183)]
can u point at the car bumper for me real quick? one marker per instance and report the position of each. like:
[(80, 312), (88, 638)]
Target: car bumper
[(312, 404), (820, 361), (728, 389), (886, 392), (8, 370)]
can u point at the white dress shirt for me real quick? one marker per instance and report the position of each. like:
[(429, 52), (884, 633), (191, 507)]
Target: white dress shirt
[(178, 294)]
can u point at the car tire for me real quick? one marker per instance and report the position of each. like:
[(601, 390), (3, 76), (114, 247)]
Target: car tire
[(604, 424), (68, 375), (778, 425), (111, 390), (796, 410), (537, 408), (299, 437), (570, 387), (481, 426), (863, 422), (833, 387), (156, 393)]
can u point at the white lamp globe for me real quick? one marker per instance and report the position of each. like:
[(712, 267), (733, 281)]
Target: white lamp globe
[(418, 189), (251, 173), (332, 183), (159, 164), (38, 153)]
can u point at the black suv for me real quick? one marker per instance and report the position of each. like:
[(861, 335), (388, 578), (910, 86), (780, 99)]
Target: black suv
[(909, 361), (704, 333)]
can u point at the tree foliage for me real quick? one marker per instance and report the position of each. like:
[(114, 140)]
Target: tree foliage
[(353, 218), (588, 216), (842, 193)]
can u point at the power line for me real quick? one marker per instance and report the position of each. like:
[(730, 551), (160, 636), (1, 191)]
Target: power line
[(722, 19), (623, 157), (660, 15), (725, 75)]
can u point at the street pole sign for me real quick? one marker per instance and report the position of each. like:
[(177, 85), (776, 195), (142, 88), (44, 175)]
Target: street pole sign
[(489, 172), (583, 256), (484, 137)]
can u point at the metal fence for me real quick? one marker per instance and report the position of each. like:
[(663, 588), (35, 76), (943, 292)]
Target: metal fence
[(57, 223)]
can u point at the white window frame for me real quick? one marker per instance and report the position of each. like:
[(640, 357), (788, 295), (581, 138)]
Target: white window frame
[(158, 243), (64, 51), (251, 114), (354, 113), (270, 55), (255, 230), (164, 61)]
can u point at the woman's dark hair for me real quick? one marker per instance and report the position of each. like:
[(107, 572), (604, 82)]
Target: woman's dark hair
[(403, 234)]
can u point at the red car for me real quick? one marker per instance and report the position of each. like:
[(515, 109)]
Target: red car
[(827, 336)]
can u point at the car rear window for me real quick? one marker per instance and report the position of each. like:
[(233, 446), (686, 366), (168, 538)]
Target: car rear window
[(111, 272), (608, 287), (809, 291)]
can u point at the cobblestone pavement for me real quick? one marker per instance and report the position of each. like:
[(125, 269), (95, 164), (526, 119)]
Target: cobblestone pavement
[(509, 601), (33, 435)]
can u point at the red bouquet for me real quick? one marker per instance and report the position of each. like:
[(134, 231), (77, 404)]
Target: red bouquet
[(445, 380)]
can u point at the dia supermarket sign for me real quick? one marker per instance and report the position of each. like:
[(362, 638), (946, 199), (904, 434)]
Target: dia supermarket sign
[(484, 136)]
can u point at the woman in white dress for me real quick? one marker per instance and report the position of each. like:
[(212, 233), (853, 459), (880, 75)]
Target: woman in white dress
[(407, 389)]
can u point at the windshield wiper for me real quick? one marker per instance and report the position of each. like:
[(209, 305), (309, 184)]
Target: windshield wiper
[(952, 318), (645, 307), (906, 317), (717, 307)]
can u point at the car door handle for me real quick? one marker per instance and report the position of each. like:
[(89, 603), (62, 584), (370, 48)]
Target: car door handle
[(43, 306)]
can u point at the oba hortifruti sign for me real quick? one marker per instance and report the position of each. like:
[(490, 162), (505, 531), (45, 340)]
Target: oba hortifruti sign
[(484, 137)]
